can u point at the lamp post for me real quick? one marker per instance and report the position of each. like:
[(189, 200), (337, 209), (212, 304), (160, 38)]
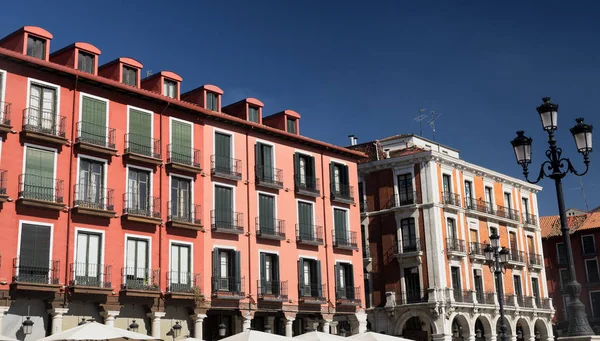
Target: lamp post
[(497, 257), (134, 327), (222, 329), (27, 326), (176, 330), (556, 168)]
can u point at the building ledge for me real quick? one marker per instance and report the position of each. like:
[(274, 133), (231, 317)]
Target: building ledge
[(348, 302), (184, 296), (342, 200), (79, 289), (48, 205), (44, 287), (228, 295), (269, 184), (94, 212), (94, 148), (272, 298), (152, 293), (227, 230), (174, 166), (3, 198), (53, 139), (142, 158), (5, 128), (184, 225), (226, 175), (270, 236), (312, 300), (142, 219), (309, 193)]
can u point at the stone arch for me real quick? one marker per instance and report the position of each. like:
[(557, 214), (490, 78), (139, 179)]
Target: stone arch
[(539, 326), (510, 324), (463, 323), (522, 326), (486, 324), (415, 313)]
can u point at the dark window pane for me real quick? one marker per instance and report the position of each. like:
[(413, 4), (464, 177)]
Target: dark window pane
[(291, 125), (253, 114), (588, 245), (36, 47), (211, 101), (129, 76), (591, 266), (170, 89), (85, 62)]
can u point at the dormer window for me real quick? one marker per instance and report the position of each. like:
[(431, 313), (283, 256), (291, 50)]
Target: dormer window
[(170, 89), (253, 114), (85, 62), (129, 76), (291, 125), (36, 47), (211, 101)]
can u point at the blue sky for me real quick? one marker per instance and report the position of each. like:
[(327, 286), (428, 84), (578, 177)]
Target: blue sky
[(367, 67)]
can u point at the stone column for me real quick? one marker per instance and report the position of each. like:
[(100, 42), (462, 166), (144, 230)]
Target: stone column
[(471, 337), (246, 325), (490, 337), (289, 332), (3, 311), (109, 317), (155, 317), (333, 327), (198, 325), (271, 323), (513, 337), (361, 316), (326, 329), (57, 315)]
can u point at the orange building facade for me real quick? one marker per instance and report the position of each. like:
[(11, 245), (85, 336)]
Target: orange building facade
[(127, 201), (427, 216)]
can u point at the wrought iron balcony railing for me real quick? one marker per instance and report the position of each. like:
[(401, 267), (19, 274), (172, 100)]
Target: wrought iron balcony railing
[(506, 212), (183, 155), (182, 213), (348, 293), (455, 245), (272, 289), (40, 188), (35, 272), (477, 249), (228, 286), (462, 296), (509, 300), (309, 234), (342, 192), (407, 246), (449, 198), (516, 256), (406, 198), (529, 219), (184, 282), (94, 197), (227, 221), (345, 239), (44, 121), (527, 301), (412, 296), (5, 113), (90, 275), (140, 279), (96, 134), (226, 167), (142, 145), (270, 228), (479, 205), (269, 176), (140, 205), (307, 185), (535, 259), (312, 290)]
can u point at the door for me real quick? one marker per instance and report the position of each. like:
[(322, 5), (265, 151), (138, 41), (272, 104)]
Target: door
[(88, 270), (513, 241), (91, 184), (409, 237), (137, 272), (269, 274), (138, 192), (475, 246), (307, 276), (224, 206), (456, 283), (181, 142), (488, 199), (525, 206), (264, 160), (451, 227), (405, 189), (266, 214), (413, 284), (180, 276), (341, 281), (507, 201), (469, 194), (42, 109), (341, 232), (531, 248), (223, 162), (39, 175), (93, 121), (478, 285), (535, 288), (180, 199), (140, 132), (34, 264), (447, 183), (303, 174), (305, 221), (518, 288)]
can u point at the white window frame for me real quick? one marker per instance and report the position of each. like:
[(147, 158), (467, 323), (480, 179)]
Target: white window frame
[(274, 196), (26, 146), (80, 114), (129, 107), (265, 142), (21, 222), (171, 119), (587, 275), (138, 236), (591, 302), (582, 244), (3, 85), (348, 224), (57, 87), (150, 177), (89, 230), (214, 194), (231, 142), (191, 179), (181, 242), (104, 170)]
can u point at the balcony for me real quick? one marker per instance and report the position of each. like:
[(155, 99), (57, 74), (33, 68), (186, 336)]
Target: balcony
[(231, 288), (342, 193), (225, 167), (227, 222), (516, 258), (5, 123), (272, 291), (184, 285), (95, 139), (3, 183), (94, 201), (143, 149), (405, 200), (509, 300), (311, 294), (85, 278), (348, 296), (461, 296), (526, 301), (412, 296), (451, 199), (35, 276), (140, 282), (184, 216), (345, 240), (529, 220), (546, 303), (535, 261), (183, 158), (45, 126), (270, 228), (408, 248), (307, 185), (455, 247), (309, 234), (477, 251), (141, 209), (41, 192), (479, 206), (488, 298), (507, 213), (268, 177)]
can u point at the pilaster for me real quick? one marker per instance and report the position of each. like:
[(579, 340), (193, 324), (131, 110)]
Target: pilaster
[(198, 325), (57, 316), (155, 317)]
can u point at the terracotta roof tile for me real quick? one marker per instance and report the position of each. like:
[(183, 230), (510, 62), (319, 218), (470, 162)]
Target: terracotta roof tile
[(372, 149), (550, 225), (407, 151), (547, 225), (592, 222)]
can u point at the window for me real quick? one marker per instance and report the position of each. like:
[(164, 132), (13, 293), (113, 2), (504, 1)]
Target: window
[(226, 270), (413, 285), (409, 237), (36, 47), (456, 283), (181, 142), (306, 230), (85, 62), (212, 101), (224, 206), (269, 274), (137, 272), (34, 264), (339, 180), (38, 182), (469, 193), (304, 171), (478, 281), (129, 75), (489, 198), (90, 189), (344, 281), (561, 253), (507, 200), (518, 287), (253, 114), (264, 162), (535, 289), (138, 192), (181, 199), (595, 301), (87, 268), (42, 110), (180, 277), (361, 197), (525, 206), (309, 271), (267, 215), (447, 183), (493, 230), (291, 125), (564, 278), (591, 269), (92, 128), (170, 89), (139, 135), (340, 221), (589, 245), (405, 189), (512, 241), (451, 229), (223, 160)]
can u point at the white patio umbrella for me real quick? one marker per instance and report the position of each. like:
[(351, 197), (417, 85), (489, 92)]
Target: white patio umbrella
[(6, 338), (255, 335), (372, 336), (319, 336), (96, 331)]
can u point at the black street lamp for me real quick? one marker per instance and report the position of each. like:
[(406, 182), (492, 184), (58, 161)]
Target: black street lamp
[(176, 330), (134, 327), (497, 258), (27, 326), (556, 168), (222, 329)]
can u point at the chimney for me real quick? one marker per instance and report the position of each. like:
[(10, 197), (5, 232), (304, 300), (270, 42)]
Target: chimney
[(355, 140), (387, 153), (352, 140)]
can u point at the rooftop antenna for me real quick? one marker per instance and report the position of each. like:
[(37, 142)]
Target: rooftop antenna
[(148, 73), (587, 209), (434, 116), (420, 119)]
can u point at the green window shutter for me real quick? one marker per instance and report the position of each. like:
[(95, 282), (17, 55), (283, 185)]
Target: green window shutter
[(305, 218), (301, 276), (312, 180), (224, 205), (339, 217), (39, 174), (216, 269), (35, 247), (337, 269), (93, 120), (140, 132), (350, 276), (267, 161), (332, 178), (181, 142), (275, 270), (260, 170), (263, 269), (345, 176), (223, 152), (296, 166), (238, 267), (319, 282), (266, 206)]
